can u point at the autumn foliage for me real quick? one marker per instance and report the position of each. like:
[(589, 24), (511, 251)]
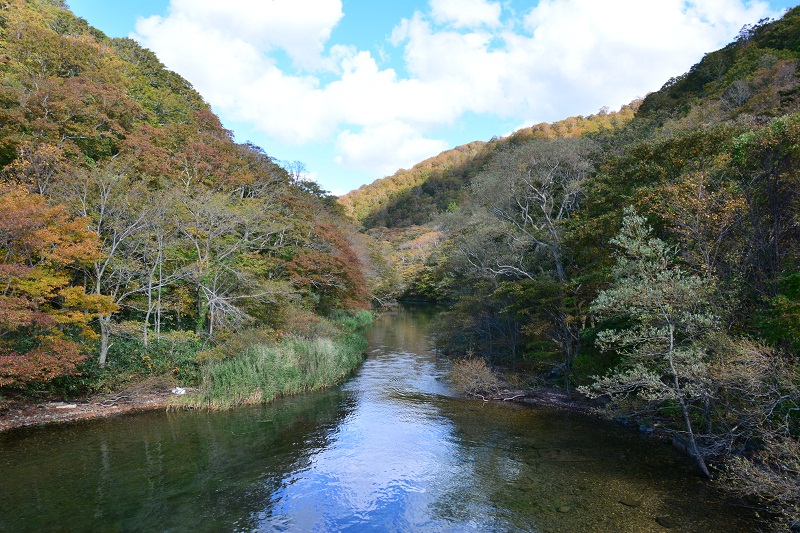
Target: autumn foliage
[(128, 211), (43, 314)]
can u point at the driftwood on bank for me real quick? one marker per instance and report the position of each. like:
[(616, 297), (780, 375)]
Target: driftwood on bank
[(550, 398)]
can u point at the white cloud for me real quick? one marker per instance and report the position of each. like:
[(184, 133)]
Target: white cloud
[(386, 148), (299, 27), (466, 13), (559, 58)]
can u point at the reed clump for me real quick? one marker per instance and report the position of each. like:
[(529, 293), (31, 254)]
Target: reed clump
[(293, 364)]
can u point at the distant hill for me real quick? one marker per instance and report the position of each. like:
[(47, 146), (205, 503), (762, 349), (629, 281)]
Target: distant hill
[(415, 196), (753, 77)]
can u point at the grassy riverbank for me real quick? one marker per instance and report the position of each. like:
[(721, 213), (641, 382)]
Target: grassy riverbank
[(252, 367), (318, 357)]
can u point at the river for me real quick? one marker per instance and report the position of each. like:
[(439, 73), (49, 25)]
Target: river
[(392, 449)]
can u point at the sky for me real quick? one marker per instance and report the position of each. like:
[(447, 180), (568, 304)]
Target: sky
[(357, 89)]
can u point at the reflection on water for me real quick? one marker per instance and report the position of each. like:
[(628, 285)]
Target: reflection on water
[(159, 472), (391, 450)]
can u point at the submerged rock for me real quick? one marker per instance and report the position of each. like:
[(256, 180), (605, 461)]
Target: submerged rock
[(667, 522)]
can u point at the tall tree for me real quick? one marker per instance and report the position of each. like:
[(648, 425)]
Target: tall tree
[(117, 209), (666, 314), (533, 190)]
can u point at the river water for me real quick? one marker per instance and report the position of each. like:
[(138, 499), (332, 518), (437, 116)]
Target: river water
[(391, 450)]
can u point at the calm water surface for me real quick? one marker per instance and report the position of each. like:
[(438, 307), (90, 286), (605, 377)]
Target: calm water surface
[(391, 450)]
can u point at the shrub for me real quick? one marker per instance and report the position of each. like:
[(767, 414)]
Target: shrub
[(129, 360), (473, 376)]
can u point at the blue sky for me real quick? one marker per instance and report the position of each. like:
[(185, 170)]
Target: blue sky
[(356, 89)]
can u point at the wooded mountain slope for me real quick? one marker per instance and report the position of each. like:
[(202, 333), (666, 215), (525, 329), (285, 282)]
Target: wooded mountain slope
[(130, 217), (415, 196)]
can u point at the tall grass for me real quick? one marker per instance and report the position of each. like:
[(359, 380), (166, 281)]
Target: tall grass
[(265, 371)]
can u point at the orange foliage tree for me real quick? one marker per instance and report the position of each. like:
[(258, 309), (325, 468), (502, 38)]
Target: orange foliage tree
[(329, 269), (43, 311)]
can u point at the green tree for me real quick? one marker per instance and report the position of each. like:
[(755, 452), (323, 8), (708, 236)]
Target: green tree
[(666, 315)]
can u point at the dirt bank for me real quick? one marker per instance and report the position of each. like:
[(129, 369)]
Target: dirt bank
[(153, 393)]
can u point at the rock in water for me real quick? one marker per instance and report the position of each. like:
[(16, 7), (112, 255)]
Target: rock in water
[(667, 522)]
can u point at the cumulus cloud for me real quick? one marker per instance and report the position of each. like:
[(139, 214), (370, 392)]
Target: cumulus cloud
[(466, 13), (298, 27), (559, 58), (370, 147)]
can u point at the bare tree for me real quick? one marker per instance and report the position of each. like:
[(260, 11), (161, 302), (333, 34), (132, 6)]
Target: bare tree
[(532, 190), (220, 229), (118, 209)]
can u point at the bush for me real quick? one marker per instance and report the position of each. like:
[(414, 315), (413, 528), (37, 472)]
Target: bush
[(772, 475), (129, 360), (473, 376)]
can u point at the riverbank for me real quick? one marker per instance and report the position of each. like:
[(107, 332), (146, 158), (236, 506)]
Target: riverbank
[(250, 369), (156, 393), (151, 394)]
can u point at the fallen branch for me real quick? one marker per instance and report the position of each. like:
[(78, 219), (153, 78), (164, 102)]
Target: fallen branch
[(513, 397), (111, 401)]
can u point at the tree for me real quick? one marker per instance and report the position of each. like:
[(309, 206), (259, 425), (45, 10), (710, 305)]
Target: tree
[(703, 213), (221, 231), (43, 311), (117, 209), (665, 314), (37, 166), (533, 190), (328, 269)]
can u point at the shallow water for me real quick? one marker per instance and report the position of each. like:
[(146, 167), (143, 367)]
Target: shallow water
[(391, 450)]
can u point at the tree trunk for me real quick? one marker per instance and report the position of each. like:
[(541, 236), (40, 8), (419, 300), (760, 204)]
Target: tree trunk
[(105, 323), (146, 328), (693, 450)]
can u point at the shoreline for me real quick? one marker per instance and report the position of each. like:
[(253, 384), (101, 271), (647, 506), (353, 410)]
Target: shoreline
[(149, 395), (154, 394)]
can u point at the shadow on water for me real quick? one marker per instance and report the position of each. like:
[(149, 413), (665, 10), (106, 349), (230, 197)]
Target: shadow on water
[(157, 471), (534, 470), (391, 450)]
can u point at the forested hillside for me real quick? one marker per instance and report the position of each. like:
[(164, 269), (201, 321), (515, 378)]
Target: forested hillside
[(651, 259), (134, 233), (415, 196)]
